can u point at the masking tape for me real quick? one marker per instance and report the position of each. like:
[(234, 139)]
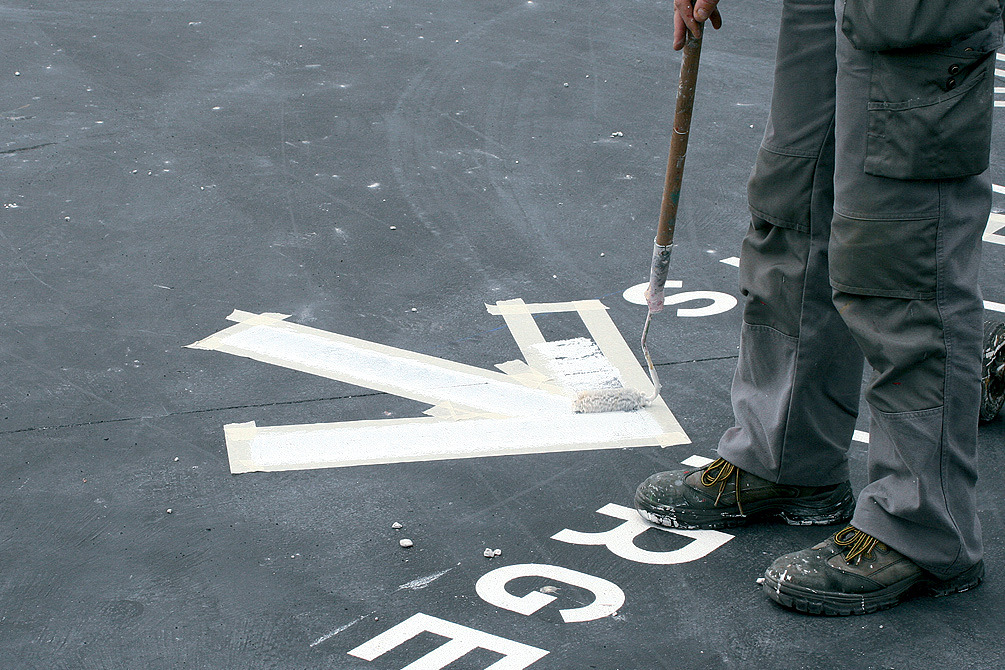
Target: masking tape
[(518, 306), (300, 447), (239, 437)]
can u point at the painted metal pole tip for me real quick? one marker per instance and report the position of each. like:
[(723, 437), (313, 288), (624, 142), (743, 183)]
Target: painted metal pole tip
[(609, 400)]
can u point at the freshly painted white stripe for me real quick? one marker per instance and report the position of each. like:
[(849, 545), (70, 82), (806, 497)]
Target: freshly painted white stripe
[(403, 373), (1000, 56), (475, 412), (998, 188), (696, 461), (1000, 103), (578, 364), (732, 260), (999, 73), (994, 306), (860, 436), (999, 89)]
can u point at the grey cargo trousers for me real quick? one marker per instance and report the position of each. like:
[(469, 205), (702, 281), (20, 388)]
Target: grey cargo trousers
[(869, 199)]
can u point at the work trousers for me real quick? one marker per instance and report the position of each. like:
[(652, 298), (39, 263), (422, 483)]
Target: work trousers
[(863, 247)]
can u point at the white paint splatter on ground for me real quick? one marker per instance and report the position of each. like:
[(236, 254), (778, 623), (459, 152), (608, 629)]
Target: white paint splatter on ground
[(423, 582), (328, 636)]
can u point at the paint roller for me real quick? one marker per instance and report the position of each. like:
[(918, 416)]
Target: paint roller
[(626, 399)]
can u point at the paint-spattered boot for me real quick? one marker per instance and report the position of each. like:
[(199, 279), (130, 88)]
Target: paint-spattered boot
[(720, 495), (852, 572)]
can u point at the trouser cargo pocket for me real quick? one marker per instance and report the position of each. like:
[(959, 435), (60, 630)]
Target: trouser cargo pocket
[(892, 258), (930, 114), (780, 187)]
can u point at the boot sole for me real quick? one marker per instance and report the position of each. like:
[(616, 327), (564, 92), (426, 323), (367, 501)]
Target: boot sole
[(825, 603), (821, 511)]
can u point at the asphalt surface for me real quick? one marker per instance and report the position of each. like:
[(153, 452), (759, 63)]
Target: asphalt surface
[(381, 171)]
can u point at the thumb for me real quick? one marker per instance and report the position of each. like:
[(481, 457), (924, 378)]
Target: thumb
[(704, 8)]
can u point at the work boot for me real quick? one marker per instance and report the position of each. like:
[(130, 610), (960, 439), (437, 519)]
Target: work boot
[(993, 373), (721, 495), (854, 573)]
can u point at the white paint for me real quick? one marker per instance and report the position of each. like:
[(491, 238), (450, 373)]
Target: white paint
[(998, 188), (328, 636), (423, 582), (516, 656), (999, 73), (696, 461), (621, 539), (860, 436), (732, 260), (607, 596), (720, 302), (475, 413), (999, 103), (994, 306), (993, 231), (578, 364)]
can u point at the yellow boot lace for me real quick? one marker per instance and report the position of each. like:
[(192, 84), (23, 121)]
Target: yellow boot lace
[(719, 472), (859, 545)]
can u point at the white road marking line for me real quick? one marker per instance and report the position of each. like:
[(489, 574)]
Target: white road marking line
[(718, 302), (860, 436), (732, 260), (993, 231), (994, 306)]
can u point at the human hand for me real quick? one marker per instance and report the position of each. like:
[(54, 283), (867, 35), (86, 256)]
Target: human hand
[(687, 18)]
